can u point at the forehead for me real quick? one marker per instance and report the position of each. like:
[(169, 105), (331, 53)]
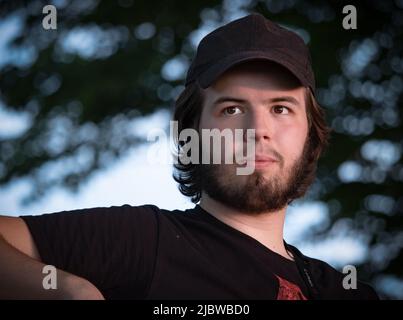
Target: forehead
[(255, 79)]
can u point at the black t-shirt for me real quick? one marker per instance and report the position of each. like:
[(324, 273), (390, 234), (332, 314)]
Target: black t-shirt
[(143, 252)]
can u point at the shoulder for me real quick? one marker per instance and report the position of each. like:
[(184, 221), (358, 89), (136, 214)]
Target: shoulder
[(111, 218), (331, 284), (334, 284), (98, 212)]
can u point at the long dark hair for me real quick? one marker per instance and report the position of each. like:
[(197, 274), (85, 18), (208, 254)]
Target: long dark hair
[(188, 108)]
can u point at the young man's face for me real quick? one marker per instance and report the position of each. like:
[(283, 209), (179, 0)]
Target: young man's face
[(267, 98)]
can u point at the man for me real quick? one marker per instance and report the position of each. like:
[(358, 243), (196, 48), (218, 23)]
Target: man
[(249, 74)]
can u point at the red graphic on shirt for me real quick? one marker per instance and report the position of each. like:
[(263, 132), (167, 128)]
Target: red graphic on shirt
[(289, 291)]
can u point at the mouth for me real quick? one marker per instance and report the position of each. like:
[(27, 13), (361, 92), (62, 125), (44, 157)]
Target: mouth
[(259, 164), (260, 161)]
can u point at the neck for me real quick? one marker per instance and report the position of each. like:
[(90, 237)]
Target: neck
[(265, 227)]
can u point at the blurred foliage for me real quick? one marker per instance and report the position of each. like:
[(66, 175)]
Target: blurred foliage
[(81, 102)]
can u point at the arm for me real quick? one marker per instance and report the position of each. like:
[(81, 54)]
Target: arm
[(21, 268)]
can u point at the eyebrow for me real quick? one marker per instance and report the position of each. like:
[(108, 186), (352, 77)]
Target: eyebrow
[(289, 99)]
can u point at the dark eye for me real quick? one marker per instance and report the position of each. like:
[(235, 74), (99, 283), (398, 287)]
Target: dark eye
[(231, 110), (280, 110)]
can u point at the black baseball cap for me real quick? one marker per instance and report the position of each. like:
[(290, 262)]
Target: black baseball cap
[(252, 37)]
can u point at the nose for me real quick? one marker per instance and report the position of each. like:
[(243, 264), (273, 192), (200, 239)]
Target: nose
[(260, 121)]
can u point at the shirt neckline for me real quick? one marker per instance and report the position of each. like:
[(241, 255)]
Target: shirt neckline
[(208, 216)]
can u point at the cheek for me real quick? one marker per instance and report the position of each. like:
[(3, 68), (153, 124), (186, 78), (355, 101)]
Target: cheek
[(226, 146), (292, 140), (202, 121)]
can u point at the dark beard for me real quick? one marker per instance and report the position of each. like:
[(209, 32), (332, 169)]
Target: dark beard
[(258, 194)]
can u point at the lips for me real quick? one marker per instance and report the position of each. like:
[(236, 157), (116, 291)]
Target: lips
[(260, 161), (262, 158)]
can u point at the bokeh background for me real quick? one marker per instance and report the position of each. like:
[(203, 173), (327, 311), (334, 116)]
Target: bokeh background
[(77, 104)]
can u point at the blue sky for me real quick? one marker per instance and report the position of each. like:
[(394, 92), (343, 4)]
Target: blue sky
[(134, 180)]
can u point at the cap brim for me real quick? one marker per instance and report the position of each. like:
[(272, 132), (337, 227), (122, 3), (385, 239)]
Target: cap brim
[(211, 74)]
